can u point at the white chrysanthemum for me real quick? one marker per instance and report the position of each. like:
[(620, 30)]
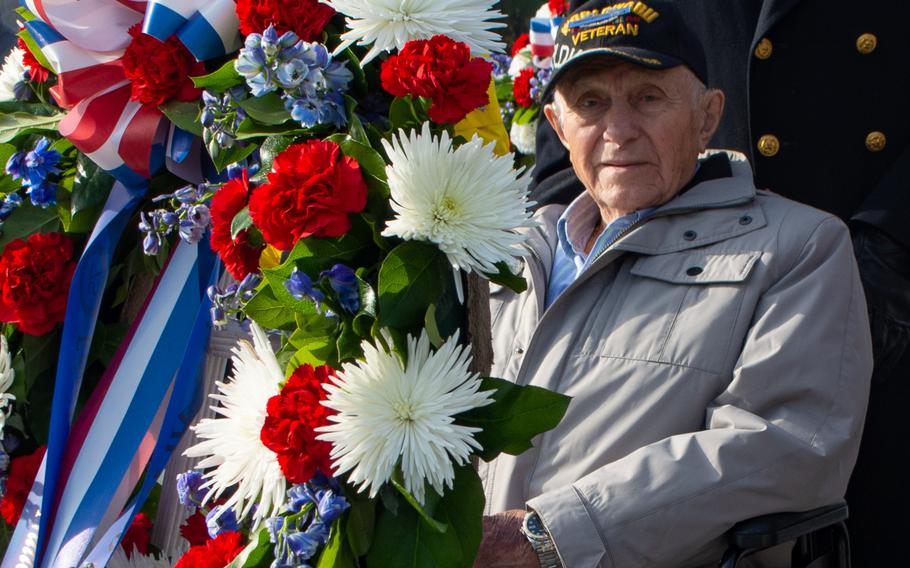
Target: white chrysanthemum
[(137, 560), (544, 11), (12, 72), (7, 374), (389, 24), (524, 137), (388, 411), (231, 446), (467, 200), (520, 62)]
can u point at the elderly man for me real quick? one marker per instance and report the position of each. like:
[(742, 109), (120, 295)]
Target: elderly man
[(714, 337)]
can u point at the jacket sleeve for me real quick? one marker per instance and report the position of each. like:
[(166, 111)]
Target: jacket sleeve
[(782, 436)]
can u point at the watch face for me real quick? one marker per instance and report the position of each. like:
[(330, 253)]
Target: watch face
[(534, 526)]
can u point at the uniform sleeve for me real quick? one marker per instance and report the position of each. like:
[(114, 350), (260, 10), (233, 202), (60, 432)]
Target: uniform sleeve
[(782, 436)]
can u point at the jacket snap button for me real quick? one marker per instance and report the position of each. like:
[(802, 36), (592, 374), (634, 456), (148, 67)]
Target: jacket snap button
[(745, 219), (519, 350), (690, 235), (694, 270)]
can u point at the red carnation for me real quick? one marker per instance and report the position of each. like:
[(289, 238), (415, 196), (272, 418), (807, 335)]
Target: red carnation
[(292, 417), (442, 70), (310, 192), (521, 88), (240, 255), (160, 71), (137, 536), (558, 7), (22, 472), (36, 72), (35, 276), (306, 18), (194, 530), (521, 42), (216, 553)]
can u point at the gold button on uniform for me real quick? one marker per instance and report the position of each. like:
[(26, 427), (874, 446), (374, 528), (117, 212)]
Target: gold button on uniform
[(768, 145), (875, 141), (764, 48), (866, 43)]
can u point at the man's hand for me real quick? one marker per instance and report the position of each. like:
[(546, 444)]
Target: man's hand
[(503, 544)]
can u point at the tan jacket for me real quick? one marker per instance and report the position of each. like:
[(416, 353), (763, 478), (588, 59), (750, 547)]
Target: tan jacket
[(718, 356)]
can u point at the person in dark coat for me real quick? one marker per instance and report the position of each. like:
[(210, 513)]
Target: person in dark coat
[(817, 98)]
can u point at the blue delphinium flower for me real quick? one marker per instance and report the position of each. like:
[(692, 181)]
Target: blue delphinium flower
[(189, 491), (344, 282), (312, 85), (10, 203), (231, 299), (34, 168), (304, 545), (221, 519), (501, 63), (221, 117), (156, 225), (301, 286), (330, 506)]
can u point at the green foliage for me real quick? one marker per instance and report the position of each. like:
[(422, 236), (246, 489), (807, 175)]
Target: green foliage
[(183, 114), (361, 521), (89, 186), (404, 540), (242, 221), (271, 147), (518, 414), (404, 115), (15, 124), (257, 554), (28, 220), (525, 115), (411, 277), (266, 310), (506, 278), (336, 553), (312, 342), (267, 109), (221, 80)]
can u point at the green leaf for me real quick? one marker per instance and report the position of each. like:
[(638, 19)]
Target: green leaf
[(430, 521), (410, 279), (27, 220), (256, 552), (252, 129), (525, 115), (267, 109), (242, 221), (348, 343), (91, 187), (504, 89), (221, 80), (313, 255), (506, 278), (336, 553), (265, 309), (19, 123), (429, 324), (361, 520), (518, 414), (32, 46), (271, 147), (402, 114), (369, 159), (7, 183), (313, 342), (405, 541), (237, 152), (37, 109), (183, 114)]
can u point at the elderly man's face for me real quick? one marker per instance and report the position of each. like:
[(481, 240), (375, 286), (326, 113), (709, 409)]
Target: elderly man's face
[(634, 134)]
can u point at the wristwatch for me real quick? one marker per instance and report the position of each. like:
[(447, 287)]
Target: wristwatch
[(540, 540)]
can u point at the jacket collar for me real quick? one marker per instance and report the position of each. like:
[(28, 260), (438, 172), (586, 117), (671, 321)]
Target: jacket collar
[(709, 212)]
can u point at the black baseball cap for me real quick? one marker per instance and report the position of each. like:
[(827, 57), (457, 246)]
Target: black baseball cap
[(650, 33)]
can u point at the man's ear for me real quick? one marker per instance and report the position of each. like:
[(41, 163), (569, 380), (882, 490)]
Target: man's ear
[(549, 111), (713, 108)]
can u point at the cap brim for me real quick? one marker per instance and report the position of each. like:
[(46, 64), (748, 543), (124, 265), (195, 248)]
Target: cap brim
[(634, 55)]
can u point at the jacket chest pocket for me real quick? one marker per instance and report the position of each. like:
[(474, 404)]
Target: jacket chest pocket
[(678, 308)]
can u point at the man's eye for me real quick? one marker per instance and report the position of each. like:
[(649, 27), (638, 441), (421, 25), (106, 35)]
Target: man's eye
[(649, 98)]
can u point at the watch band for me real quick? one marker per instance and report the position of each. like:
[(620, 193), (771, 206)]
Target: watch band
[(540, 540)]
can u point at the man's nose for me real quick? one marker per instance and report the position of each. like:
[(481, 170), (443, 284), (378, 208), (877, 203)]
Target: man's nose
[(621, 124)]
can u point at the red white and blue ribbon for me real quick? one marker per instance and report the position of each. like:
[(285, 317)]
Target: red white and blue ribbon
[(84, 41)]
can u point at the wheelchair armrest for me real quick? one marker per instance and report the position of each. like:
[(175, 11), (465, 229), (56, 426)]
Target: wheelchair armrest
[(770, 530)]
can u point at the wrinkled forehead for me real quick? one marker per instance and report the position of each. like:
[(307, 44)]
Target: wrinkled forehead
[(609, 74)]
